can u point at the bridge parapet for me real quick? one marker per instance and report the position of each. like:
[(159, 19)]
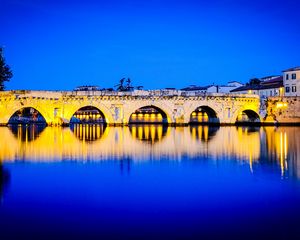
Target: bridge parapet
[(144, 93)]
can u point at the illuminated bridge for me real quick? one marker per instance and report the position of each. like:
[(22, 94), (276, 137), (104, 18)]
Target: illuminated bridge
[(122, 108)]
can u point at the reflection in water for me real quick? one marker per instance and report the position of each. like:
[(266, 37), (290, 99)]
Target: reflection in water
[(148, 133), (203, 132), (4, 180), (88, 132), (27, 132), (249, 129), (256, 146)]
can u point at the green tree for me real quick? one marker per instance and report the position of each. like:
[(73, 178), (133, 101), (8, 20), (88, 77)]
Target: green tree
[(5, 72)]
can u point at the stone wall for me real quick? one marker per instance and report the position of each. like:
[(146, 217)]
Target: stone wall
[(282, 110), (58, 107)]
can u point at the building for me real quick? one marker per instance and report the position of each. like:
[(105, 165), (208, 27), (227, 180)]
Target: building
[(87, 88), (267, 87), (194, 90), (291, 81), (224, 88)]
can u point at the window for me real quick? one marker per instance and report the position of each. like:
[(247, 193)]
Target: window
[(287, 89), (271, 93), (286, 77), (294, 89), (294, 76)]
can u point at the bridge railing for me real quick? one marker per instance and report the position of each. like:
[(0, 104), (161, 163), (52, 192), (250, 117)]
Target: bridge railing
[(141, 93)]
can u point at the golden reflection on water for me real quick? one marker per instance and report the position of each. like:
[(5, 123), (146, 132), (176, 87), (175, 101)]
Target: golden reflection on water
[(149, 133), (252, 145)]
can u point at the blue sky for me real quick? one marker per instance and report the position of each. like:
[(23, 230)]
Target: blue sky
[(58, 45)]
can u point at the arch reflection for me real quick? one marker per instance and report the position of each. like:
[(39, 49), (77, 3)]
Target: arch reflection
[(27, 133), (203, 132), (88, 132), (148, 133), (248, 129), (27, 115)]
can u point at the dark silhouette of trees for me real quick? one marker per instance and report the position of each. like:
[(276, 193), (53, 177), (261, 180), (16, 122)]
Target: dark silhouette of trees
[(124, 87), (253, 81), (5, 72)]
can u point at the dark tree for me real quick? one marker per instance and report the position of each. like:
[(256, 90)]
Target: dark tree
[(254, 81), (120, 86), (124, 88), (5, 72)]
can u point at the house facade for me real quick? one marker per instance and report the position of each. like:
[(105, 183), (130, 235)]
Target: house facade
[(291, 81)]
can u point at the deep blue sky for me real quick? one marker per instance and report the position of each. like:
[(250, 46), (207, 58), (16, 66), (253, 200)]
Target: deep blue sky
[(62, 44)]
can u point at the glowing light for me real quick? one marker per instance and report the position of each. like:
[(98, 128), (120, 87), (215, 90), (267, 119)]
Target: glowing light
[(281, 104)]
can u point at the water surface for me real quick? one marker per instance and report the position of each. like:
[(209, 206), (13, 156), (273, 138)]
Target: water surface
[(137, 182)]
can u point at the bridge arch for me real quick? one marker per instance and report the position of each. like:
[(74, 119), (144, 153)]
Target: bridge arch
[(14, 110), (149, 114), (72, 109), (247, 116), (88, 114), (204, 114)]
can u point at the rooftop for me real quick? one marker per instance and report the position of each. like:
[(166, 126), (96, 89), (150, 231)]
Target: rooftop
[(292, 69), (273, 83), (194, 88)]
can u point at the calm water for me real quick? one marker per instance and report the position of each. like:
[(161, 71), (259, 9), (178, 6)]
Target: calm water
[(144, 182)]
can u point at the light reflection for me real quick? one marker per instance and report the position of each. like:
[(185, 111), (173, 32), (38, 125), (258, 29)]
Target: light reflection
[(88, 132), (149, 133), (203, 132), (255, 146), (27, 132)]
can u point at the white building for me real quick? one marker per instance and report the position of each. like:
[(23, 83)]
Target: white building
[(224, 88), (291, 81), (194, 90)]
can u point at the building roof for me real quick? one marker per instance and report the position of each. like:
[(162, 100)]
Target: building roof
[(195, 88), (269, 77), (234, 82), (273, 83), (87, 88), (292, 69)]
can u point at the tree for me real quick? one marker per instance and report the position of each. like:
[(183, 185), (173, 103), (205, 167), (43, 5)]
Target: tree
[(120, 86), (124, 88), (5, 72), (254, 81)]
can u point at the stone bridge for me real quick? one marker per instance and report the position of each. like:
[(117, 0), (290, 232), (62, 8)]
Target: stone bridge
[(58, 107)]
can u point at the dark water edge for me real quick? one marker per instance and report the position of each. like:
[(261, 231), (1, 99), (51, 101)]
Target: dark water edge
[(227, 189)]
